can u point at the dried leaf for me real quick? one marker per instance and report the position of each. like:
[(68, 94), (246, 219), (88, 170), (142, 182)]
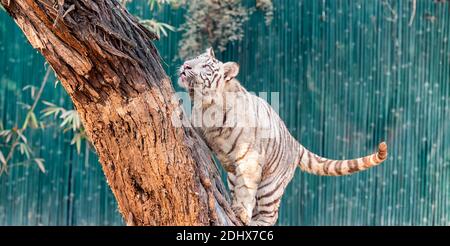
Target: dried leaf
[(49, 104), (21, 136), (40, 163), (77, 141), (32, 89), (4, 133), (33, 120), (24, 105), (24, 149), (2, 158)]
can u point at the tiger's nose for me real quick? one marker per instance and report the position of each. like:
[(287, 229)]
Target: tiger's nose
[(186, 67)]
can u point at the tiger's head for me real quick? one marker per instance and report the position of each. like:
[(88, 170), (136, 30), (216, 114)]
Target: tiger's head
[(205, 73)]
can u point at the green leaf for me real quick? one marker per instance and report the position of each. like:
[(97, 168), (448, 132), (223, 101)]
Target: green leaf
[(51, 109), (9, 136), (49, 104), (164, 26), (3, 133), (163, 31), (33, 121), (71, 121), (25, 123), (24, 105), (152, 4), (2, 158), (32, 89), (76, 121), (40, 163), (157, 27), (67, 118), (167, 26), (21, 136), (77, 141), (24, 149)]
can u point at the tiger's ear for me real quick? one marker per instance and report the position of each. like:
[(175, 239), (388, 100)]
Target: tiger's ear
[(231, 70), (210, 52)]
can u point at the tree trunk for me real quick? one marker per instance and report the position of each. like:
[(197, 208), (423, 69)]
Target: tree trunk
[(160, 174)]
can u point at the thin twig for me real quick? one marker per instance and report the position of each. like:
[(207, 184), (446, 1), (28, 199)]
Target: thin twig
[(22, 163), (60, 11), (41, 89), (24, 125), (393, 12), (72, 7), (413, 14)]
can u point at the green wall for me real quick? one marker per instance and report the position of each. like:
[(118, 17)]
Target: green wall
[(349, 73)]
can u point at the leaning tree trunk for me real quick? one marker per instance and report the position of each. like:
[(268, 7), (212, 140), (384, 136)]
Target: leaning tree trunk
[(160, 174)]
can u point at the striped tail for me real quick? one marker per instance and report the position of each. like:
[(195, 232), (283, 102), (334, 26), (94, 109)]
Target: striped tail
[(314, 164)]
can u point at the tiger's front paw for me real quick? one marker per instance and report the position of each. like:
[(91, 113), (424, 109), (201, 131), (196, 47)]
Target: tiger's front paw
[(240, 212)]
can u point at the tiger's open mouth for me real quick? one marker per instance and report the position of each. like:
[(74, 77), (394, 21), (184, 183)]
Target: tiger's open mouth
[(184, 80)]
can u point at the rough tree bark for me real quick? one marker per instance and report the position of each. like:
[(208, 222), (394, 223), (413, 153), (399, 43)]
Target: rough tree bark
[(160, 174)]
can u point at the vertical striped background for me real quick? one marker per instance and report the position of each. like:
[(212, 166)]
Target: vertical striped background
[(350, 73)]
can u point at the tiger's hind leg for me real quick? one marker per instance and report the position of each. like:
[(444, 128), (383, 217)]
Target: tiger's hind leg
[(268, 201), (264, 218), (245, 180)]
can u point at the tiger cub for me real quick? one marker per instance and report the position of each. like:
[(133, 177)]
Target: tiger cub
[(251, 141)]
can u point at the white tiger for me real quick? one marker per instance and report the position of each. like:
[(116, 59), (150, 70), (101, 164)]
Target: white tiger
[(251, 141)]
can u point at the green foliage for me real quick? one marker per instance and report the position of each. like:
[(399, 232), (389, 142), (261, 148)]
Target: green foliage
[(216, 23), (32, 90), (267, 7), (51, 109), (158, 3), (157, 27), (24, 148), (30, 120), (152, 24), (212, 23), (40, 163), (6, 135), (78, 137), (2, 159), (16, 140), (15, 136), (70, 122)]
